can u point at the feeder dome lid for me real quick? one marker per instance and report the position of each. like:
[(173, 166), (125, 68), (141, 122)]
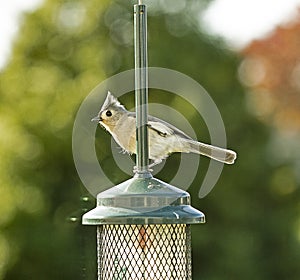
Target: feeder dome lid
[(142, 200)]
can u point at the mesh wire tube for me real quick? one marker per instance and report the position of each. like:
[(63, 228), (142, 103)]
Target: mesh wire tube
[(138, 252)]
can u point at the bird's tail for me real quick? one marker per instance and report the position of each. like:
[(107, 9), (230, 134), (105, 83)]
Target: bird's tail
[(216, 153)]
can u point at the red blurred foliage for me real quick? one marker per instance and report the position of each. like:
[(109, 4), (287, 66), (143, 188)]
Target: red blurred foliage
[(278, 56)]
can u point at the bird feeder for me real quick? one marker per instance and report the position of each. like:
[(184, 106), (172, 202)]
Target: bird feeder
[(143, 224)]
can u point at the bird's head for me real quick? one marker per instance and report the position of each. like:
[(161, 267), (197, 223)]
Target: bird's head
[(111, 112)]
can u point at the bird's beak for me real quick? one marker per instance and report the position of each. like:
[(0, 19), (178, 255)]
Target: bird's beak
[(96, 119)]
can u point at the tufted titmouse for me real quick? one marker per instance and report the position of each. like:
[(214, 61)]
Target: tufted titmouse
[(164, 138)]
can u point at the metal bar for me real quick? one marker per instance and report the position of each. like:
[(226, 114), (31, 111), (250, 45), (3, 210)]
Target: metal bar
[(141, 88)]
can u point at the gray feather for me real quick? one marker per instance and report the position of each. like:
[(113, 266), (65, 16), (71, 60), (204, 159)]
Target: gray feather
[(219, 154)]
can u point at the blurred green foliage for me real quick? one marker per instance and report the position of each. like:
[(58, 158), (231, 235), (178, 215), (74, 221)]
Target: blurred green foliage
[(62, 52)]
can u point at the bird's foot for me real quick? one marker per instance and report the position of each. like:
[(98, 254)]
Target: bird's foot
[(155, 162), (136, 169), (149, 169)]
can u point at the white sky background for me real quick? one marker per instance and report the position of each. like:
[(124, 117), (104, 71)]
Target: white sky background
[(10, 12), (238, 21), (241, 21)]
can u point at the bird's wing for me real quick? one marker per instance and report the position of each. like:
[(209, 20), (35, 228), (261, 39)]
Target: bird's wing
[(164, 129), (160, 128)]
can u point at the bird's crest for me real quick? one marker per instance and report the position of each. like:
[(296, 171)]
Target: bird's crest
[(111, 101)]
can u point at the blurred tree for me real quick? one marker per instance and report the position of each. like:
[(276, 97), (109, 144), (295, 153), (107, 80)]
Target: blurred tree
[(65, 49), (271, 70)]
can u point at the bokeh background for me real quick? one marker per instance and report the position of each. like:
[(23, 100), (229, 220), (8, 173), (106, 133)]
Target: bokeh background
[(62, 51)]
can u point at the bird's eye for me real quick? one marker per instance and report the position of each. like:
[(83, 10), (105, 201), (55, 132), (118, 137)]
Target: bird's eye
[(108, 113)]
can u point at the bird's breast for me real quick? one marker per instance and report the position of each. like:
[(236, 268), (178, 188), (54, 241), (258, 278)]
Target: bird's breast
[(124, 134)]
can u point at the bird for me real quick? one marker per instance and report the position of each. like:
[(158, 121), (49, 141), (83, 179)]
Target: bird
[(163, 138)]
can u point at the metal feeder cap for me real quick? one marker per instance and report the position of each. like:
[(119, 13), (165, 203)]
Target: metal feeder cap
[(143, 201)]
